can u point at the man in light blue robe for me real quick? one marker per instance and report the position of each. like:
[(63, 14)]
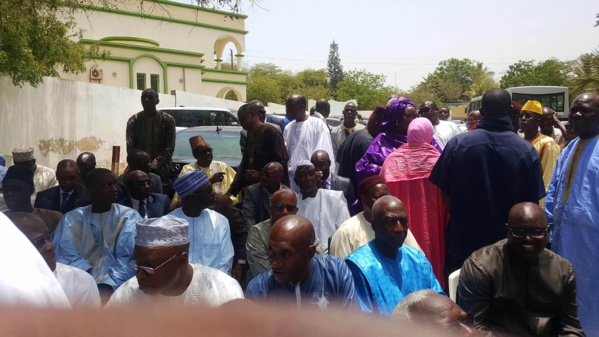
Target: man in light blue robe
[(99, 238), (572, 207), (209, 231), (297, 274), (385, 270)]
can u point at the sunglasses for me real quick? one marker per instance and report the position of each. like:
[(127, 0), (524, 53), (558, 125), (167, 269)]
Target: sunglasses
[(211, 150), (289, 208), (41, 242), (150, 270)]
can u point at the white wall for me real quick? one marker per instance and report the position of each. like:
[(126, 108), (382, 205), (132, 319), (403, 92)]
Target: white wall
[(62, 118)]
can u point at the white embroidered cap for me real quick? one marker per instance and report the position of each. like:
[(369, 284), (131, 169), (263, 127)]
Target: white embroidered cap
[(166, 231)]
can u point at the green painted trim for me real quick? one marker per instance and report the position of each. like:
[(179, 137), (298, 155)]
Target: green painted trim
[(163, 19), (239, 55), (203, 9), (212, 80), (142, 48), (162, 64), (128, 60), (184, 65), (218, 60), (130, 38), (226, 71)]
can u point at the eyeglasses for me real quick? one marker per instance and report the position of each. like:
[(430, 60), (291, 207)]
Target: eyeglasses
[(289, 208), (349, 111), (150, 270), (41, 242), (535, 233)]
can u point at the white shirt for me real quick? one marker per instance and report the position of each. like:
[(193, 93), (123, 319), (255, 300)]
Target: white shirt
[(326, 211), (209, 239), (135, 206), (208, 286), (80, 287), (444, 132), (26, 279), (302, 140), (355, 233), (43, 178)]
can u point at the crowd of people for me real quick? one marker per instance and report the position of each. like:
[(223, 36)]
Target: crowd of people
[(375, 218)]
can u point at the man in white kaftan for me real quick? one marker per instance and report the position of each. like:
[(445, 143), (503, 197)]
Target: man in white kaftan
[(303, 136), (43, 177), (163, 243), (209, 232), (326, 209)]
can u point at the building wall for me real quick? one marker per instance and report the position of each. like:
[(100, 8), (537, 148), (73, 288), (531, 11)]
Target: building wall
[(62, 118), (162, 34)]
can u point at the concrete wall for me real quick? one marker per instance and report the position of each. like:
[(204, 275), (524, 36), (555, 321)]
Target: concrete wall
[(62, 118)]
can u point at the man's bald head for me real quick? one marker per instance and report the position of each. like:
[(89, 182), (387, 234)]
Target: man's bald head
[(66, 163), (384, 202), (283, 203), (322, 163), (86, 162), (430, 308), (323, 107), (67, 175), (291, 247), (296, 227), (496, 103), (527, 229), (584, 115)]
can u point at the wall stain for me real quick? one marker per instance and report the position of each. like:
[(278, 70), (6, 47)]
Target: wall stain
[(63, 146)]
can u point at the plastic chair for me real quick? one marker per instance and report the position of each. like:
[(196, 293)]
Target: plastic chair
[(454, 279)]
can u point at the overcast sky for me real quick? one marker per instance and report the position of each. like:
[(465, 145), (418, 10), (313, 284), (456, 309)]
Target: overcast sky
[(405, 40)]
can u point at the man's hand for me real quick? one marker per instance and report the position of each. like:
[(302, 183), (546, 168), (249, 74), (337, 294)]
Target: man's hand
[(252, 176), (217, 177), (556, 120), (154, 165), (237, 272)]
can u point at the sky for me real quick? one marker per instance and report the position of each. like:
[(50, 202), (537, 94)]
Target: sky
[(405, 40)]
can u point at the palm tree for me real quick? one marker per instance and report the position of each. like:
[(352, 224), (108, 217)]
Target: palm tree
[(586, 74)]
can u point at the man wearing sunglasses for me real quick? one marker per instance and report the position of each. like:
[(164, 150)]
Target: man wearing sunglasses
[(256, 201), (518, 287), (163, 272), (283, 202), (79, 286)]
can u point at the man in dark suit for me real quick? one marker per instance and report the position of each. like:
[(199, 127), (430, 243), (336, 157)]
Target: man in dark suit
[(148, 205), (69, 194), (256, 201), (322, 162), (138, 160)]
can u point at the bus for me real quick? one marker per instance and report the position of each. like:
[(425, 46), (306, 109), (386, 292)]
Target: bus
[(555, 98)]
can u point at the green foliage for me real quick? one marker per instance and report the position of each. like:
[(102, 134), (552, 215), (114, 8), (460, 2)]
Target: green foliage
[(35, 43), (269, 83), (422, 92), (455, 80), (525, 73), (367, 88), (334, 67), (586, 74)]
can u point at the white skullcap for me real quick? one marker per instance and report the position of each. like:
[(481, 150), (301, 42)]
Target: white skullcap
[(166, 231)]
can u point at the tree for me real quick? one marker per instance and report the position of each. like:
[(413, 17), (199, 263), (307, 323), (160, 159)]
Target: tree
[(586, 74), (367, 88), (453, 79), (38, 37), (334, 67), (525, 73)]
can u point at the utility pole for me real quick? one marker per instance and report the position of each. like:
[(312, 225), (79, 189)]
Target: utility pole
[(231, 59)]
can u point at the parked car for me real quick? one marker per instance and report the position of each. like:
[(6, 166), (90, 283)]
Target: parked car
[(223, 139), (334, 121), (186, 117)]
